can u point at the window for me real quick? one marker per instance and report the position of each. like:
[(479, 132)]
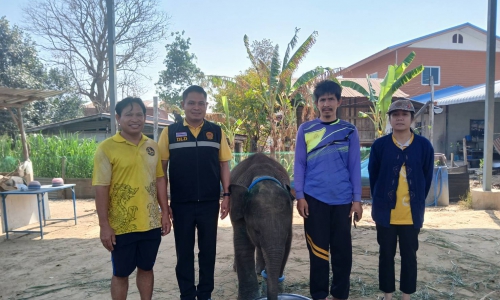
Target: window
[(457, 38), (373, 75), (435, 72)]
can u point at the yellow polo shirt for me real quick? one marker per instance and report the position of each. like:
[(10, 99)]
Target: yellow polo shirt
[(130, 171), (401, 215), (224, 150)]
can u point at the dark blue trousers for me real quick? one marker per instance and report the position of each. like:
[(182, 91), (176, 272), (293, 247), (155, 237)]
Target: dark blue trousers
[(328, 233), (188, 217)]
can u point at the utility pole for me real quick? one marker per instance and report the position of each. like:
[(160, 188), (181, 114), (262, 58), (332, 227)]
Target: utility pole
[(110, 18), (431, 113), (155, 118), (489, 101)]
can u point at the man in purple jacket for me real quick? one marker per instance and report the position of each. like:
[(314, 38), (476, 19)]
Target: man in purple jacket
[(328, 189)]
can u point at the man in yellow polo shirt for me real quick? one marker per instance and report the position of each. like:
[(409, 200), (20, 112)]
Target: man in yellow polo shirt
[(130, 186), (197, 156)]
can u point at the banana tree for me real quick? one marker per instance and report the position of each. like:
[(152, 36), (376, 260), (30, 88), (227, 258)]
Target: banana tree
[(229, 126), (394, 79), (275, 88)]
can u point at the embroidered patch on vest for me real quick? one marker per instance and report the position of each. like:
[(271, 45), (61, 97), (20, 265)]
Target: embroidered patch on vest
[(210, 135), (150, 151), (181, 134)]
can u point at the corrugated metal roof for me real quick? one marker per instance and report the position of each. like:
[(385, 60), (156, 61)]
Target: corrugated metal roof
[(447, 91), (10, 97), (477, 93), (350, 93), (149, 122), (147, 103)]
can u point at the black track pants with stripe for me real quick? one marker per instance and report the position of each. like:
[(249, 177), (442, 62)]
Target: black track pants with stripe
[(328, 227)]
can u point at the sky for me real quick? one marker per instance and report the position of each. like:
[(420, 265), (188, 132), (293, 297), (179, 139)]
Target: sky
[(348, 31)]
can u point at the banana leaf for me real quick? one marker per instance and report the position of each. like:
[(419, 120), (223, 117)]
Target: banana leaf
[(406, 62), (289, 48), (275, 69), (355, 86), (307, 77), (406, 78), (384, 102)]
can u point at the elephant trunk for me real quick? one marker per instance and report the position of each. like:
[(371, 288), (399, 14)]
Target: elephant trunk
[(273, 257)]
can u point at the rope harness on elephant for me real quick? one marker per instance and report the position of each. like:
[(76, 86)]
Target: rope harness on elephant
[(259, 179)]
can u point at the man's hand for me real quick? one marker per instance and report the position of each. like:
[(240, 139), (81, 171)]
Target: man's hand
[(166, 225), (358, 209), (224, 207), (108, 238), (303, 208)]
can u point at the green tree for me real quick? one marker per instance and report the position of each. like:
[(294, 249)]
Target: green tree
[(181, 70), (56, 109), (394, 79), (276, 89), (246, 106), (20, 67)]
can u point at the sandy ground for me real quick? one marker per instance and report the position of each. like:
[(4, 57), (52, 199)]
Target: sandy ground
[(459, 258)]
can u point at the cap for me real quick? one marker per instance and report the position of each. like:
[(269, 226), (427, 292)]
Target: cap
[(401, 105)]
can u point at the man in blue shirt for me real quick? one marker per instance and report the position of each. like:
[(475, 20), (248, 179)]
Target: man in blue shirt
[(328, 191)]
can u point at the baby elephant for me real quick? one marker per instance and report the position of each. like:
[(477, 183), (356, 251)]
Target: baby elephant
[(261, 215)]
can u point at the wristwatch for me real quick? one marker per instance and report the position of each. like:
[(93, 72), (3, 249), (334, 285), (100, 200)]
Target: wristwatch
[(226, 194)]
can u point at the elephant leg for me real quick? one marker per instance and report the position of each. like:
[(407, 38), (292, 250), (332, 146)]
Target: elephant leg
[(244, 259), (260, 264)]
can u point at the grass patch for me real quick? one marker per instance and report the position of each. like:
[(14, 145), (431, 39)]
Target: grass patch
[(465, 201)]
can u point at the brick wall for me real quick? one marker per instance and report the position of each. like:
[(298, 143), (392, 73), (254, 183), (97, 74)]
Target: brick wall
[(458, 67)]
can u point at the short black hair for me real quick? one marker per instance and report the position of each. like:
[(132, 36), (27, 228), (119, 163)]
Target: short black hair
[(327, 87), (129, 101), (194, 89)]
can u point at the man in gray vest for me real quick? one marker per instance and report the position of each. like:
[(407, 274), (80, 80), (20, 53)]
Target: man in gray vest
[(198, 154)]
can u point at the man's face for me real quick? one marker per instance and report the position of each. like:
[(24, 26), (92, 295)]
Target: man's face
[(132, 119), (400, 120), (195, 107), (327, 106)]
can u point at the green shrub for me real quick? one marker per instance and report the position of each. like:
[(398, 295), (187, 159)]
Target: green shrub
[(47, 152)]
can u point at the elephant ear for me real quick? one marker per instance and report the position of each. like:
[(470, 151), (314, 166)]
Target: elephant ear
[(237, 204), (292, 196)]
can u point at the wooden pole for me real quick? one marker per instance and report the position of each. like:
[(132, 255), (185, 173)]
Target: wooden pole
[(465, 150), (63, 167), (20, 125)]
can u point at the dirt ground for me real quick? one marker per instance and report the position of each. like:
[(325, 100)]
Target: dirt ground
[(459, 258)]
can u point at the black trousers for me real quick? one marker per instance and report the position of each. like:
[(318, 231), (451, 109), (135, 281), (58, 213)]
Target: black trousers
[(387, 238), (328, 231), (188, 217)]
